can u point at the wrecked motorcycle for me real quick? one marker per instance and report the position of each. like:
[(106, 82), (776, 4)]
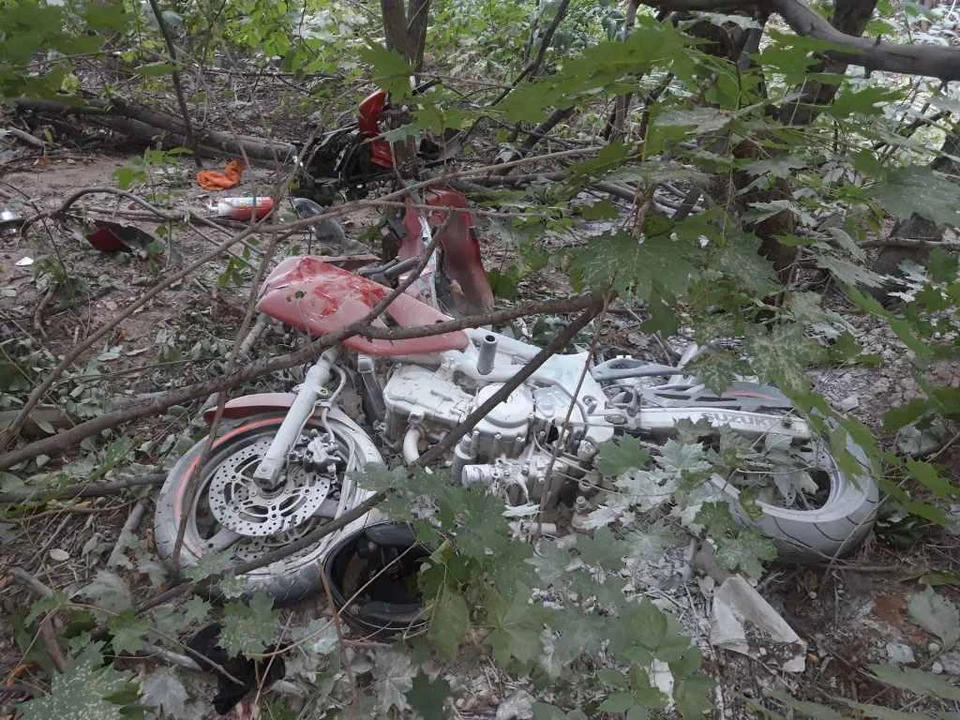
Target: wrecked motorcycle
[(288, 464)]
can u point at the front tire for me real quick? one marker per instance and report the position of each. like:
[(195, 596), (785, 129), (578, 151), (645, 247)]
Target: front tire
[(287, 580)]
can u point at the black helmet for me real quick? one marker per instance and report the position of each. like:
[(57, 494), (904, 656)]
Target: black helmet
[(372, 576)]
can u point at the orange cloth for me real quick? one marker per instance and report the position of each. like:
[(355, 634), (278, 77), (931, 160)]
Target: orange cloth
[(216, 180)]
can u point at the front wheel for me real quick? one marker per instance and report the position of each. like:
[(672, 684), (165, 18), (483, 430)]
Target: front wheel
[(229, 515)]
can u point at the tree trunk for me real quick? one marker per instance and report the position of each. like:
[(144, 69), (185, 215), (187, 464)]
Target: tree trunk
[(395, 25), (418, 14), (915, 227), (850, 17)]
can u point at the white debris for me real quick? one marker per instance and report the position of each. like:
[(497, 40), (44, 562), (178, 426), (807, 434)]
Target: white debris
[(900, 653), (24, 262), (518, 706), (849, 403), (736, 602)]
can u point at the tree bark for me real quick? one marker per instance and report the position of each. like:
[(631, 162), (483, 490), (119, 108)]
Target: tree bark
[(395, 26), (851, 18), (418, 15)]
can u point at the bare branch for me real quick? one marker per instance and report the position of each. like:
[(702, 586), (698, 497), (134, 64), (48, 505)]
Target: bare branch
[(177, 85), (913, 59), (308, 353)]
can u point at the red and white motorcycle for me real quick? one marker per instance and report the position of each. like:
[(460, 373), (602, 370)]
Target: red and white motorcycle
[(287, 464)]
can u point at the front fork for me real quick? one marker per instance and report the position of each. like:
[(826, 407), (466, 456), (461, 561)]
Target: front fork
[(268, 472)]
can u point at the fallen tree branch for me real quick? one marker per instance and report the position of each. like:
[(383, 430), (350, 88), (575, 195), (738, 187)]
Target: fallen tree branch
[(913, 59), (149, 123), (154, 406), (533, 307), (26, 137), (83, 490), (261, 227)]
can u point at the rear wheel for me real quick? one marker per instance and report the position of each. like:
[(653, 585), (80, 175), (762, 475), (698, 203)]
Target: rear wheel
[(831, 521), (231, 515)]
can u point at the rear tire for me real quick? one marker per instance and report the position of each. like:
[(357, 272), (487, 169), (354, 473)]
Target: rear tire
[(833, 530)]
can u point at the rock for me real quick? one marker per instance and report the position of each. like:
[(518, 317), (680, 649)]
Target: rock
[(936, 669), (951, 663), (900, 653), (919, 441), (934, 647), (518, 706), (848, 404)]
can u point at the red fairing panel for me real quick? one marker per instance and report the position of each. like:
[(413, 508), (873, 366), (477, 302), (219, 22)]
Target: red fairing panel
[(318, 298), (370, 111), (462, 261)]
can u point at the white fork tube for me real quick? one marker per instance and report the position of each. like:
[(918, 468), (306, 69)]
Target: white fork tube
[(276, 456)]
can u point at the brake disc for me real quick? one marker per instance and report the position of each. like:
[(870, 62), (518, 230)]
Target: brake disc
[(238, 503), (252, 548)]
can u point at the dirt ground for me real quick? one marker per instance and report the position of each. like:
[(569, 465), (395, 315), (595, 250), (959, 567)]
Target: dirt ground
[(850, 615)]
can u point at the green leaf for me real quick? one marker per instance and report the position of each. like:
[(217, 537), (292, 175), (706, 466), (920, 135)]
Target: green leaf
[(602, 550), (897, 417), (80, 693), (716, 519), (678, 457), (867, 101), (942, 265), (693, 696), (449, 622), (610, 156), (927, 475), (780, 354), (155, 69), (632, 266), (249, 628), (394, 675), (392, 72), (208, 564), (109, 591), (128, 632), (717, 370), (127, 176), (552, 563), (746, 552), (918, 189), (916, 681), (603, 210), (618, 456), (428, 697), (163, 690), (196, 610), (617, 703), (937, 615), (517, 625)]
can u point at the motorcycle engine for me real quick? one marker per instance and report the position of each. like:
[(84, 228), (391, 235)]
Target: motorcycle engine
[(518, 442)]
